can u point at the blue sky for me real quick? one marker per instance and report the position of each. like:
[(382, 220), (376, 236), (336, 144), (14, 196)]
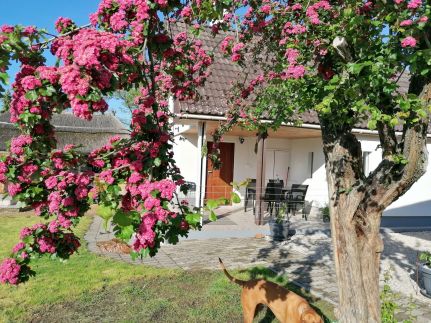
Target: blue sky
[(43, 14)]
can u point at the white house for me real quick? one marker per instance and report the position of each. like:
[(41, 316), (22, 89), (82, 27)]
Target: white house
[(292, 154)]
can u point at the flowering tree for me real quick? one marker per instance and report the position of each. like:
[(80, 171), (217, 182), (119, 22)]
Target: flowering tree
[(342, 60), (127, 45)]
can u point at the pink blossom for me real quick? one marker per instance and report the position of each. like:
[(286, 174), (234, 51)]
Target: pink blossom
[(408, 42), (296, 6), (414, 4), (46, 245), (118, 21), (68, 201), (30, 83), (14, 189), (407, 22), (19, 246), (29, 169), (186, 12), (53, 226), (265, 9), (145, 235), (30, 30), (81, 192), (184, 225), (135, 177), (7, 29), (235, 57), (107, 177), (295, 71), (98, 163), (25, 232), (17, 144), (151, 202), (9, 271), (3, 171), (423, 19), (166, 188), (62, 23), (226, 43), (54, 200), (292, 55)]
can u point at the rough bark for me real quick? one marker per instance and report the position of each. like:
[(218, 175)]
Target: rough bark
[(356, 204), (355, 231)]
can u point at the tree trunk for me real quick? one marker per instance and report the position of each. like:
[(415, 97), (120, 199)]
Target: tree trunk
[(355, 227), (357, 261)]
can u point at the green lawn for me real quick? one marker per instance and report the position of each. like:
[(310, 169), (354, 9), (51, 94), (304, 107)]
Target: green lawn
[(90, 288)]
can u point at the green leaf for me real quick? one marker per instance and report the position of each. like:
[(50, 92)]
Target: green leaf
[(212, 204), (31, 95), (157, 161), (4, 78), (105, 212), (122, 219), (235, 198), (372, 124), (213, 216), (193, 218), (125, 233)]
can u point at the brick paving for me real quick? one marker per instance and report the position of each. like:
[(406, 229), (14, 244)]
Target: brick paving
[(312, 271)]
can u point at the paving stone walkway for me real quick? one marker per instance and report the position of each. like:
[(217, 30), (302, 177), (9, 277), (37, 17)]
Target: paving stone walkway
[(311, 271)]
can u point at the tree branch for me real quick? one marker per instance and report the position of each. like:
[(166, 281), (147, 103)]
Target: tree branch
[(388, 139), (394, 177)]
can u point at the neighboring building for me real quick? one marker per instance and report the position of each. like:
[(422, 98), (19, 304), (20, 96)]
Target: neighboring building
[(292, 154), (69, 130)]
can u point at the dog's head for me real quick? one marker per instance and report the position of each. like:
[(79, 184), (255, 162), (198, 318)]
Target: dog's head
[(310, 316)]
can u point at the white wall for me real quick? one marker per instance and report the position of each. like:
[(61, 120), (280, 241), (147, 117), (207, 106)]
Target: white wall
[(186, 156), (417, 201), (300, 170)]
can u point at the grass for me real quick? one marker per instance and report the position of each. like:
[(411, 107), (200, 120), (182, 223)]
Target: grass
[(90, 288)]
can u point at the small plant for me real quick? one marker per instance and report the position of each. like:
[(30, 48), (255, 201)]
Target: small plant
[(388, 302), (325, 213), (106, 214), (425, 257), (281, 214)]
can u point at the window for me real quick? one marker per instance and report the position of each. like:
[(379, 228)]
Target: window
[(366, 162)]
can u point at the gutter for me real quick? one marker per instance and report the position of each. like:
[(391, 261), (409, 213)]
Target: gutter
[(287, 124)]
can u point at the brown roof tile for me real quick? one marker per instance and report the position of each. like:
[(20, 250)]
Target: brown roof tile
[(213, 96)]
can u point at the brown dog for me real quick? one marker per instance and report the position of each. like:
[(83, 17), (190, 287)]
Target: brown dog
[(287, 306)]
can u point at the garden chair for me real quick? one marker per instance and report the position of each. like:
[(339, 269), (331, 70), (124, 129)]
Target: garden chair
[(274, 195), (250, 194), (296, 199)]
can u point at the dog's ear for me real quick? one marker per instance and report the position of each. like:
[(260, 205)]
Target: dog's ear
[(309, 317)]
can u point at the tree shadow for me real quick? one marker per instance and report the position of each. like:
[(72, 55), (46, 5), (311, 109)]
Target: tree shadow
[(306, 260)]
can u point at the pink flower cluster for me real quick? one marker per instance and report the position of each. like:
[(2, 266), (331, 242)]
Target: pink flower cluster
[(312, 11), (18, 143), (10, 271), (409, 42), (94, 63), (62, 25)]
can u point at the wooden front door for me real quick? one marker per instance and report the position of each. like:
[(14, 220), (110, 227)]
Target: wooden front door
[(218, 180)]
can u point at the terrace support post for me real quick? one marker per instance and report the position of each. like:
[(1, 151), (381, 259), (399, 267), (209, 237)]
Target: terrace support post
[(202, 166), (260, 177)]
